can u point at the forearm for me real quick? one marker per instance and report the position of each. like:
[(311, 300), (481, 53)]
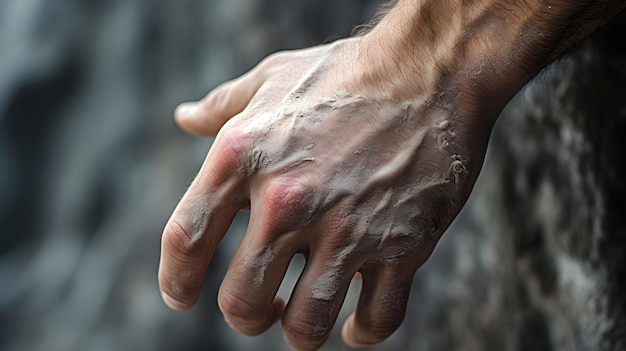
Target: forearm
[(492, 46)]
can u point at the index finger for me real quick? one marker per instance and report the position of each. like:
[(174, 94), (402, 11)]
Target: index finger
[(198, 224)]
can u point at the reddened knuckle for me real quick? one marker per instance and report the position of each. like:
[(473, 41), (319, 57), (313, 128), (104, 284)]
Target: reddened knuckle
[(231, 144), (286, 192), (289, 199), (232, 136)]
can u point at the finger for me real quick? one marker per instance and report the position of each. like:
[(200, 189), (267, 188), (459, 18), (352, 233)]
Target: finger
[(386, 285), (247, 296), (381, 307), (198, 223), (334, 257), (315, 303), (207, 116)]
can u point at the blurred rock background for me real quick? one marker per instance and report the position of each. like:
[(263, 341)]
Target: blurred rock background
[(91, 165)]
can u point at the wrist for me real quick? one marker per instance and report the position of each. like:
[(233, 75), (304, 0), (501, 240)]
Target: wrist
[(442, 48), (487, 50), (445, 39)]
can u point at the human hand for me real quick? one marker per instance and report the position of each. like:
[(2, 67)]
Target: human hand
[(351, 177)]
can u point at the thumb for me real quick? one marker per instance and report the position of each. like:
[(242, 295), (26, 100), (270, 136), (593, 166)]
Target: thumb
[(207, 116)]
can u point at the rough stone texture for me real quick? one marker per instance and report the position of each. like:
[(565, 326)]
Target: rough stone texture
[(91, 166)]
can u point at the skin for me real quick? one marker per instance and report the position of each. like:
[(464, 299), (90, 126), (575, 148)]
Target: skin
[(357, 154)]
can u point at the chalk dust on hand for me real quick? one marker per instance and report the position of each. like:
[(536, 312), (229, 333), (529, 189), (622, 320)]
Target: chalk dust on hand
[(258, 262)]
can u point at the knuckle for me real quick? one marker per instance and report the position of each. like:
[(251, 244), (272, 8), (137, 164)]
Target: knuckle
[(236, 307), (178, 277), (240, 314), (290, 200), (178, 241), (307, 334), (286, 192), (230, 146), (232, 137), (378, 330)]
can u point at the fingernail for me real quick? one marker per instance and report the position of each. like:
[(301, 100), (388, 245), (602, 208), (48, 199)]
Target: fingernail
[(173, 303), (186, 109)]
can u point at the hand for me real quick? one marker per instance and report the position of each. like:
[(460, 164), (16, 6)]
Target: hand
[(354, 179)]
